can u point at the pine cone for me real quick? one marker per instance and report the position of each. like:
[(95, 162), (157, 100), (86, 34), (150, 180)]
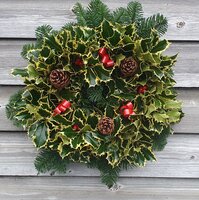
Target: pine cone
[(59, 78), (106, 125), (128, 67)]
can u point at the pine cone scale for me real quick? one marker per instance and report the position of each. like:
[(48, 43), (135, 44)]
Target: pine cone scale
[(59, 78), (128, 67), (106, 126)]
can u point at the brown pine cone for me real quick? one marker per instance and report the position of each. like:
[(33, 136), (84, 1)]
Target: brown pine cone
[(59, 78), (106, 125), (128, 67)]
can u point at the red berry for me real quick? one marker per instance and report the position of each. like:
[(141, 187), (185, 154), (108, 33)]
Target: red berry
[(75, 127), (79, 62), (142, 89)]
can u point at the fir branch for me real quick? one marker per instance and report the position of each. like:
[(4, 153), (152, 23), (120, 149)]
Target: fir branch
[(69, 26), (160, 23), (26, 48), (160, 140), (81, 14), (43, 31), (50, 161), (13, 107), (108, 174), (135, 11), (120, 15), (93, 16), (95, 94), (97, 11), (157, 22)]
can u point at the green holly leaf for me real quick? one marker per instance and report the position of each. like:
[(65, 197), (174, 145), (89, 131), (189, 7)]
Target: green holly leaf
[(160, 117), (23, 115), (107, 29), (92, 121), (148, 154), (91, 140), (61, 120), (39, 132), (90, 76), (96, 74), (117, 123), (139, 158), (102, 73), (172, 104), (109, 111), (69, 132), (20, 72), (33, 74), (115, 38), (160, 46), (159, 73), (174, 116), (76, 142)]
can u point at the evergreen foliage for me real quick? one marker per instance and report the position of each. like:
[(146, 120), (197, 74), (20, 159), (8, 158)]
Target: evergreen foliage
[(50, 161), (97, 11), (96, 91), (14, 106)]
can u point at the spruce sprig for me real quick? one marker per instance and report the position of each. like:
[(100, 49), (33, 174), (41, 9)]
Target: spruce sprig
[(50, 161), (97, 11)]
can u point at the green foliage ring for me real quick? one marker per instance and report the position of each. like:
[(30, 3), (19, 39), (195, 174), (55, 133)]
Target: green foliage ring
[(96, 91)]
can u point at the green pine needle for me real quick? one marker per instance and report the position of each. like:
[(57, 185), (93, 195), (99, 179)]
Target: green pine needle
[(43, 31), (95, 13), (26, 48), (120, 15), (108, 174), (13, 107), (160, 141), (135, 11), (157, 22), (48, 160), (81, 14), (95, 94)]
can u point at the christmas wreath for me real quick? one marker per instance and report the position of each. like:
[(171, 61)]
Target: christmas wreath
[(98, 91)]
